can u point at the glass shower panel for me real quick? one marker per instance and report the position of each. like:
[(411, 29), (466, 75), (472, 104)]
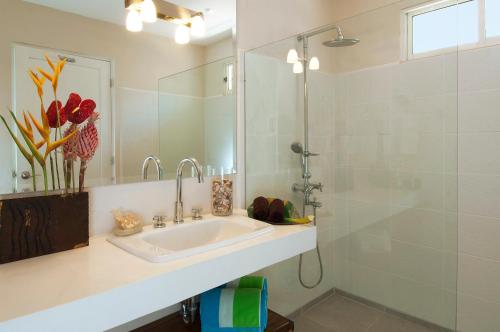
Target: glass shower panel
[(274, 110), (395, 171), (385, 129)]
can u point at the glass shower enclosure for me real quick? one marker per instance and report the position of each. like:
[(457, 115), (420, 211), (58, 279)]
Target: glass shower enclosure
[(383, 123)]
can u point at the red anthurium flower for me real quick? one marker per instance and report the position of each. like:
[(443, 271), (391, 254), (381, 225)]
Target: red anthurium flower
[(73, 102), (52, 114), (77, 111)]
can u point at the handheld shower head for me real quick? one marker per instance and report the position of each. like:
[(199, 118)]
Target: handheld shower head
[(297, 148)]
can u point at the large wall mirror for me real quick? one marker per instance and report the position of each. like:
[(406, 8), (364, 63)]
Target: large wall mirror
[(196, 116), (137, 83)]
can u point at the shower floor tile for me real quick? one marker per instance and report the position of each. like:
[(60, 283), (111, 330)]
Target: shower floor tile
[(341, 314)]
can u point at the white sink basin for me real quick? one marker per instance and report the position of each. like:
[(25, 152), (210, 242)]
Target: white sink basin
[(190, 238)]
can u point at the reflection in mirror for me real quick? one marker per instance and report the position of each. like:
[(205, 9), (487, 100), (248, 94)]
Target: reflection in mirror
[(197, 110), (116, 68)]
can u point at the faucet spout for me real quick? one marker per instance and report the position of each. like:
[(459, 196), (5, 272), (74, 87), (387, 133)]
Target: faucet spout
[(179, 209), (145, 165)]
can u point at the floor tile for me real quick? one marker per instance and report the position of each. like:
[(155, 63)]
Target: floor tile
[(303, 324), (392, 323), (342, 314)]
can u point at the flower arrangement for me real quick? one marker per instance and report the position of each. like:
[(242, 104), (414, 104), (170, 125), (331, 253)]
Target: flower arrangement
[(78, 141)]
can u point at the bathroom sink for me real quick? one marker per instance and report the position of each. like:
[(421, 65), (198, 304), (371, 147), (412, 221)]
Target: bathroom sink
[(190, 238)]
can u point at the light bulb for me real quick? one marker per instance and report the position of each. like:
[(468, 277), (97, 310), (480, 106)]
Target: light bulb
[(298, 68), (198, 28), (134, 22), (182, 34), (148, 11), (293, 56), (314, 63)]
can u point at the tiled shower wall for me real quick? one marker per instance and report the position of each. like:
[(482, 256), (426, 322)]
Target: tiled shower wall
[(410, 162), (409, 154), (479, 190), (395, 186)]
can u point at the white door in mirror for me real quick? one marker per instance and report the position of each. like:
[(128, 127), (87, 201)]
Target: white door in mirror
[(190, 238)]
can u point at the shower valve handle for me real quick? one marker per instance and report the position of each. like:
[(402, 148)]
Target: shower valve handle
[(318, 186)]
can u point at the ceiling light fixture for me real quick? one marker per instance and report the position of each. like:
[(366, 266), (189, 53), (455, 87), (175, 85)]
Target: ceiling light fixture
[(298, 68), (314, 63), (190, 23), (148, 11), (292, 56), (198, 27), (182, 35), (134, 22)]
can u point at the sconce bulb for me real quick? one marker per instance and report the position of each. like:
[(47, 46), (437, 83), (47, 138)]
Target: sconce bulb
[(298, 68), (148, 11), (182, 35), (292, 56), (314, 63), (134, 22), (198, 27)]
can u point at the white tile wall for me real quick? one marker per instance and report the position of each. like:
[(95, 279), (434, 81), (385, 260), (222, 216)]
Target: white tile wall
[(393, 124), (428, 136), (413, 167), (479, 189)]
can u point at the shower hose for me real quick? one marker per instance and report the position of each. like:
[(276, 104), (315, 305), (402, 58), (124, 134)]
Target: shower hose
[(319, 259)]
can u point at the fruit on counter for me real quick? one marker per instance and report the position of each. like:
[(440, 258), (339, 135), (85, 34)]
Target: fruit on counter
[(304, 220)]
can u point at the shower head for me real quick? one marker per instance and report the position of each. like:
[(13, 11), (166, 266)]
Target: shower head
[(297, 148), (341, 42)]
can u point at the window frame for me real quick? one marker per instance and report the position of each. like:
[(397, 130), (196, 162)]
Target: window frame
[(407, 29)]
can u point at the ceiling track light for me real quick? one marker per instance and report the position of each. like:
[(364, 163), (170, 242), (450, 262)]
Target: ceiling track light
[(190, 23)]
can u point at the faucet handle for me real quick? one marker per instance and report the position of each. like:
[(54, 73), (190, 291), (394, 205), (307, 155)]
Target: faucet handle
[(159, 222), (197, 213)]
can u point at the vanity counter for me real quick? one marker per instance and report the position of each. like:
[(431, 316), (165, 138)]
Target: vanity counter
[(101, 286)]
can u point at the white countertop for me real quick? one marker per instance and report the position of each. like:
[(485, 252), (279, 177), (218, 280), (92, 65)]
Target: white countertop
[(101, 286)]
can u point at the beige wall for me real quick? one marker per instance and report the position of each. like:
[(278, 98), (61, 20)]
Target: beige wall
[(263, 21), (219, 50)]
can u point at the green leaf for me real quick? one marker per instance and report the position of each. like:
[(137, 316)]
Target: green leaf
[(30, 144), (23, 150)]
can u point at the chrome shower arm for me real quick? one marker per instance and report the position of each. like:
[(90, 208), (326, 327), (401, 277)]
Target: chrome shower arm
[(321, 30)]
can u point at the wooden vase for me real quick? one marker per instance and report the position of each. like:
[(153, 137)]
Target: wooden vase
[(32, 226)]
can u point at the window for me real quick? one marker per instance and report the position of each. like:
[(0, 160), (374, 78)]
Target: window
[(229, 79), (492, 18), (440, 26)]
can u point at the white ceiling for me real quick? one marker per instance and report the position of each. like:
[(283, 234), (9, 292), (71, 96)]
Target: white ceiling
[(219, 22)]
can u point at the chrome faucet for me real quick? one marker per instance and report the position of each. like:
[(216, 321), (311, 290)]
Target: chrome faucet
[(145, 165), (178, 213)]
